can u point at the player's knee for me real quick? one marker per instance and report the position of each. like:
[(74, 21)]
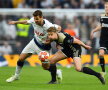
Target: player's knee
[(78, 69), (21, 59), (52, 62)]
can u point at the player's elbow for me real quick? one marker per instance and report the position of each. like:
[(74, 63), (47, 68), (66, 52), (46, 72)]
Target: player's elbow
[(59, 28), (76, 41), (25, 22)]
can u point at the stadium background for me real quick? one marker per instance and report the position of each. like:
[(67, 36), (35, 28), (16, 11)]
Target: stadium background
[(78, 17)]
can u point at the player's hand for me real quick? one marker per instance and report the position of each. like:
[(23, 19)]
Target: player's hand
[(45, 66), (12, 22), (88, 47), (47, 41), (91, 35)]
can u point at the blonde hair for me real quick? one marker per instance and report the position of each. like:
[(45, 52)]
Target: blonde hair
[(52, 29)]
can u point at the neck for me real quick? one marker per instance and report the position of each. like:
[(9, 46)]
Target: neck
[(56, 37), (41, 23)]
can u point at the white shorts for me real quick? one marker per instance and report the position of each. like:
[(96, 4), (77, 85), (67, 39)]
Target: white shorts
[(32, 48)]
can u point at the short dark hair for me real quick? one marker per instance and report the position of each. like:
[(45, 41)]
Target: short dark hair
[(38, 13), (52, 29)]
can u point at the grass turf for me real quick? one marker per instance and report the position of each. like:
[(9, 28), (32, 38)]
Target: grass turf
[(34, 78)]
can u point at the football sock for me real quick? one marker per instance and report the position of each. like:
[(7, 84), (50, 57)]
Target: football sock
[(19, 67), (102, 63), (90, 71), (53, 70)]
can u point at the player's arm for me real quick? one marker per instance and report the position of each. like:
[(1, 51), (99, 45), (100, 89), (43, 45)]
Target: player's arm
[(81, 43), (20, 22), (95, 30), (59, 28), (47, 41)]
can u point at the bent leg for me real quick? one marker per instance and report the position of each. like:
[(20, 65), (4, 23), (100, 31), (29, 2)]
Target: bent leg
[(87, 70), (52, 66), (77, 63), (19, 66), (57, 57), (102, 61), (20, 62)]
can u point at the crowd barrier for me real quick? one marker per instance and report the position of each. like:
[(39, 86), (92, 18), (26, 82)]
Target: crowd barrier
[(34, 60)]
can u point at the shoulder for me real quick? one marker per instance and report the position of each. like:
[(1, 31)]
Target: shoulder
[(47, 24), (102, 15), (46, 21), (61, 34), (66, 34), (32, 19)]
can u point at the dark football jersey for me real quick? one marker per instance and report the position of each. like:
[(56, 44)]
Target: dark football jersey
[(69, 48), (104, 29)]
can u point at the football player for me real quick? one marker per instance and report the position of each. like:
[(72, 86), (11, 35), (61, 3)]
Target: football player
[(71, 48), (36, 45), (103, 38)]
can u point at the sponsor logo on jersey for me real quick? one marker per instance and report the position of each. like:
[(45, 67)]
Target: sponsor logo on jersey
[(39, 34), (104, 25)]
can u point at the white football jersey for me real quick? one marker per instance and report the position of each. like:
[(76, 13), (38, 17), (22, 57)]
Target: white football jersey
[(40, 32)]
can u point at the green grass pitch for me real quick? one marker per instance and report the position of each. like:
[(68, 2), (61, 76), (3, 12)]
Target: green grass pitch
[(35, 78)]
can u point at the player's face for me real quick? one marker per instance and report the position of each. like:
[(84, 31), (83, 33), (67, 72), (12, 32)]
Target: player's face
[(106, 8), (38, 20), (52, 35)]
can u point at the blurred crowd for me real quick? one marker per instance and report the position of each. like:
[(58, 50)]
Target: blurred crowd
[(13, 38), (72, 4)]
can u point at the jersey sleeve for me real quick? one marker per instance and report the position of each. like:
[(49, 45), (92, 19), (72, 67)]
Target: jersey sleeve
[(68, 39), (30, 21), (49, 24), (55, 25), (100, 20)]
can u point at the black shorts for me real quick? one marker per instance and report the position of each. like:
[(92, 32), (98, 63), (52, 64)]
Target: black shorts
[(71, 53), (104, 45)]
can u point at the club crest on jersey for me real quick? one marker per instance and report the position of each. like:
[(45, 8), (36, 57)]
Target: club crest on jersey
[(39, 34)]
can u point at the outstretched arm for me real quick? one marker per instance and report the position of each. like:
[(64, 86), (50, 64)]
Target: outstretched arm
[(21, 22), (81, 44), (95, 30)]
